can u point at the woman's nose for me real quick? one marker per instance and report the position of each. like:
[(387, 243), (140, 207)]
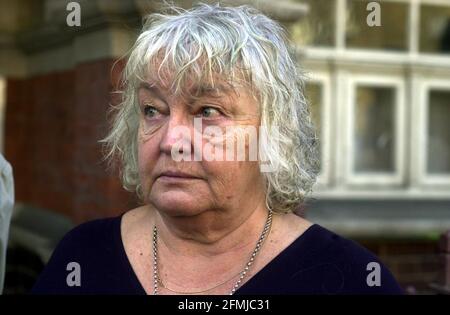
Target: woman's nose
[(177, 134)]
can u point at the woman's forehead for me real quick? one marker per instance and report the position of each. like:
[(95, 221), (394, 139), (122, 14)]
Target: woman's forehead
[(197, 89), (193, 87), (197, 78)]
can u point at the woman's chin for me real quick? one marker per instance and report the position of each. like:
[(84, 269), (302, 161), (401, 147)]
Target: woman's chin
[(178, 205)]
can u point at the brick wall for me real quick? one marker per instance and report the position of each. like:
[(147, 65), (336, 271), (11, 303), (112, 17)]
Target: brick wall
[(52, 126)]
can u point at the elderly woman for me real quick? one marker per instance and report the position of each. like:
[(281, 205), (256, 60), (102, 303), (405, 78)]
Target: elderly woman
[(201, 87)]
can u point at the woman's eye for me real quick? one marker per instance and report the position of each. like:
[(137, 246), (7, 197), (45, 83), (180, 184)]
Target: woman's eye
[(209, 112), (150, 111)]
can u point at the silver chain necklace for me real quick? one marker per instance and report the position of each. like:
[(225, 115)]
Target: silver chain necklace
[(243, 273)]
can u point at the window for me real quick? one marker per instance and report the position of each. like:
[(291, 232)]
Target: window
[(317, 27), (375, 130), (434, 29), (438, 135), (391, 35), (433, 116), (373, 134), (383, 80)]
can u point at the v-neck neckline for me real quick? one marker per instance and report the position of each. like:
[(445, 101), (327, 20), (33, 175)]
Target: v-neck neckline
[(256, 277)]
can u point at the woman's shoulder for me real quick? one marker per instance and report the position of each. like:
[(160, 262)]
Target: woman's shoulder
[(91, 232), (351, 268), (84, 251), (105, 229), (89, 237), (332, 246), (319, 261)]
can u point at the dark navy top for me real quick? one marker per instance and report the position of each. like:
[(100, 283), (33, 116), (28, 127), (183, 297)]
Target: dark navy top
[(317, 262)]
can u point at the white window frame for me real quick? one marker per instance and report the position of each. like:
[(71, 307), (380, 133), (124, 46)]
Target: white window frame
[(375, 178), (412, 67), (411, 56), (422, 114), (323, 79)]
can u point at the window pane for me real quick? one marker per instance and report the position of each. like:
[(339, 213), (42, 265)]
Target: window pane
[(374, 129), (317, 27), (314, 92), (391, 35), (434, 29), (439, 132)]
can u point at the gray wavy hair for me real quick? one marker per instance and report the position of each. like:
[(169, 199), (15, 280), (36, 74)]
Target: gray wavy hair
[(229, 42)]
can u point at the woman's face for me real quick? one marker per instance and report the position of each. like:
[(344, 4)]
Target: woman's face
[(182, 149)]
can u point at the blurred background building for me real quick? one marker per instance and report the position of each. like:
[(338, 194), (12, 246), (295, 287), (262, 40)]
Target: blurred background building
[(380, 97)]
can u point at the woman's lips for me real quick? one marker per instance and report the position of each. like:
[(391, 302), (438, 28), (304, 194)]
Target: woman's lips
[(175, 176)]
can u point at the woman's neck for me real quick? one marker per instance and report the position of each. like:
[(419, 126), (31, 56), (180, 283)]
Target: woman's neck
[(212, 233)]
